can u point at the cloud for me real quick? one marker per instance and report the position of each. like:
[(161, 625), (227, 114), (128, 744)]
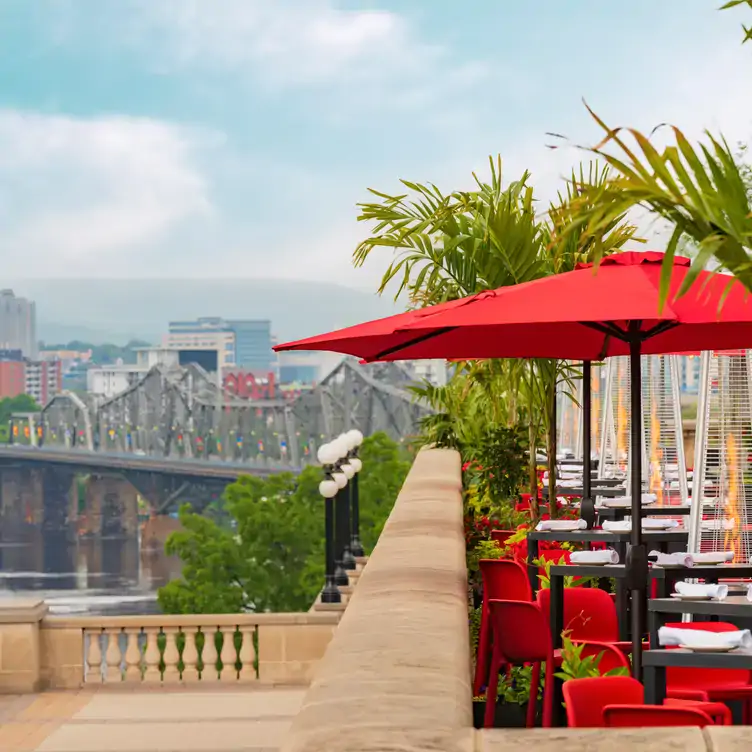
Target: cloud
[(84, 195)]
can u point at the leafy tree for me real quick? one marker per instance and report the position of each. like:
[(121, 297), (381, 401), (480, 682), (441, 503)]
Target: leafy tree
[(21, 403), (448, 246), (265, 552)]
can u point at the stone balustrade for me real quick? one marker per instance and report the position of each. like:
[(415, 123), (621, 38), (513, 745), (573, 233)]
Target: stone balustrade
[(38, 651)]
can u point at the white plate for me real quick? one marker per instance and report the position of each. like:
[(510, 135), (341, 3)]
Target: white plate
[(680, 597), (709, 648)]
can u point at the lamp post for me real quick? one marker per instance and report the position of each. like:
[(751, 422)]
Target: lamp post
[(328, 488), (344, 557), (340, 478), (356, 547)]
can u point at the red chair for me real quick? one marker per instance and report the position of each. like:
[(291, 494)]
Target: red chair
[(502, 536), (521, 635), (643, 716), (719, 684), (586, 701), (613, 658), (503, 580), (589, 615)]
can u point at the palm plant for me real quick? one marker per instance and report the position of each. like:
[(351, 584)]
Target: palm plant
[(448, 246)]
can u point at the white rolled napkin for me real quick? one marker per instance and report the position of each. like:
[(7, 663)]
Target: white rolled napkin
[(571, 469), (749, 592), (671, 636), (561, 525), (680, 559), (647, 498), (617, 526), (609, 556), (567, 483), (717, 592), (658, 523), (713, 557)]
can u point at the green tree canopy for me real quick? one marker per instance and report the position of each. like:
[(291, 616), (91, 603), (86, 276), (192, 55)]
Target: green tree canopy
[(265, 552)]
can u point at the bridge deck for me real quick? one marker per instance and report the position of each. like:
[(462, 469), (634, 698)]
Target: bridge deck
[(149, 720)]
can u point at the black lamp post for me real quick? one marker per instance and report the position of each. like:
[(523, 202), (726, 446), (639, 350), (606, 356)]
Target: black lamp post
[(328, 488), (343, 523), (356, 547)]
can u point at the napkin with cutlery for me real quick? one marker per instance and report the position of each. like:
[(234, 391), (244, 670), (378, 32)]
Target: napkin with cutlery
[(672, 636), (561, 525), (608, 556), (718, 592), (714, 557), (680, 559)]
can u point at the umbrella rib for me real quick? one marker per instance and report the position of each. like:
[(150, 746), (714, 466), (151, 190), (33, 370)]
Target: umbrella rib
[(660, 328), (410, 343), (609, 329)]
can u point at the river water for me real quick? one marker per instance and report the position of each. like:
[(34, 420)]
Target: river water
[(84, 576)]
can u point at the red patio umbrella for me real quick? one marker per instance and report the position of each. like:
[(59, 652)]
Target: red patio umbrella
[(587, 315)]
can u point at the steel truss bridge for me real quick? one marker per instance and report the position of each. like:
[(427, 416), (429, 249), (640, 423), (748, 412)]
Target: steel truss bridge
[(181, 413)]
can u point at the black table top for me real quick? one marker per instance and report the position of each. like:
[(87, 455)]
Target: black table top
[(719, 571), (588, 570), (610, 492), (608, 536), (733, 605), (683, 658)]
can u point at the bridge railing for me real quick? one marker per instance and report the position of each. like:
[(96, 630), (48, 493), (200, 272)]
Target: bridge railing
[(38, 651)]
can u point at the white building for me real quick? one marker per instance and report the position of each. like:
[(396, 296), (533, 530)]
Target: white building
[(434, 371), (221, 341), (107, 381)]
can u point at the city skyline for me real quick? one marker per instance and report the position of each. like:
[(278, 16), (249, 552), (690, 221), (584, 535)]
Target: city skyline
[(239, 144)]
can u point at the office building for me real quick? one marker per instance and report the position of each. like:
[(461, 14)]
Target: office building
[(18, 324), (244, 343)]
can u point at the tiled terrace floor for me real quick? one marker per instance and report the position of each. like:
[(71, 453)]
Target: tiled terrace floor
[(148, 720)]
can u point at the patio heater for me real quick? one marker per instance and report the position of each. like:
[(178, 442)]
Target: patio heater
[(664, 469), (569, 417), (597, 386), (721, 510)]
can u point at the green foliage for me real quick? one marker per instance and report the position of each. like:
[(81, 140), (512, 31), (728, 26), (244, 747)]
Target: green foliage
[(21, 403), (734, 4), (265, 551), (575, 666), (484, 549)]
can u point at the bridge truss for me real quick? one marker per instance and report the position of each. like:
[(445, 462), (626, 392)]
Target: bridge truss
[(182, 412)]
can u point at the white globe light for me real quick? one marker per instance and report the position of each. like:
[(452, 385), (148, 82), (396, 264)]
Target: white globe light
[(340, 447), (355, 437), (347, 469), (328, 488), (356, 463), (327, 454), (340, 479)]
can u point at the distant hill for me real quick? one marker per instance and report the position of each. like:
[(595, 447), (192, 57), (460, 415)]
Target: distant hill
[(117, 310)]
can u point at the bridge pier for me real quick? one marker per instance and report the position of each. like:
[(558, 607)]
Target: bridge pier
[(21, 498), (111, 507)]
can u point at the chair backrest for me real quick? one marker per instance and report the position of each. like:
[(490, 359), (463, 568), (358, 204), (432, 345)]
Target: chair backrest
[(505, 580), (642, 716), (502, 536), (521, 631), (707, 677), (586, 698), (611, 657), (589, 613)]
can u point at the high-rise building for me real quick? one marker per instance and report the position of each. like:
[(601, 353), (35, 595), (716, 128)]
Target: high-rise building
[(244, 343), (43, 379), (18, 324), (12, 373)]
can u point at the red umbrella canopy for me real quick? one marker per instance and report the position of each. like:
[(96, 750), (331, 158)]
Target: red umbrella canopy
[(586, 314)]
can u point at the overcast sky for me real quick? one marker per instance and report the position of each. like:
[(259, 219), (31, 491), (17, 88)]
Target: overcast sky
[(233, 138)]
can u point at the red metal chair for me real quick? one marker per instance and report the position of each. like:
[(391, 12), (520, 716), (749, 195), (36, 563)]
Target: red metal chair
[(586, 701), (719, 684), (589, 615), (503, 580), (613, 658), (520, 636), (643, 716)]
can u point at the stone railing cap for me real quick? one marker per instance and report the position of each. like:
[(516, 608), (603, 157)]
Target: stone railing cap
[(21, 610)]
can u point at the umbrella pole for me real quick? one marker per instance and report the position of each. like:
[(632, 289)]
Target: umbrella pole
[(637, 560), (587, 506)]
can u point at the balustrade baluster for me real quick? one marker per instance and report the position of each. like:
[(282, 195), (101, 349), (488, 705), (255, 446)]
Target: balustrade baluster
[(133, 655), (209, 655), (152, 656), (190, 655), (93, 656), (247, 655), (171, 656), (113, 657), (229, 655)]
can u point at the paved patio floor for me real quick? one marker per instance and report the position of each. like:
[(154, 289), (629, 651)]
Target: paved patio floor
[(148, 720)]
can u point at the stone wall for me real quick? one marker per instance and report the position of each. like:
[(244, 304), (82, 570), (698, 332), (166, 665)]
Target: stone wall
[(397, 676)]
